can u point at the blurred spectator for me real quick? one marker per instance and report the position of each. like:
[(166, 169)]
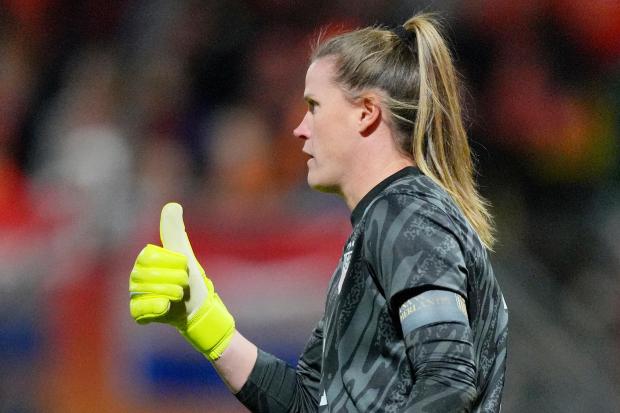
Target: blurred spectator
[(16, 88), (83, 152), (239, 183)]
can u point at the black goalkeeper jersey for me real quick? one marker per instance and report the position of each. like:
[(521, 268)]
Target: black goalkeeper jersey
[(408, 237)]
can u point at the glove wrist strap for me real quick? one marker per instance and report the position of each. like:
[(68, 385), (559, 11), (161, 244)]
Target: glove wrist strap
[(210, 329)]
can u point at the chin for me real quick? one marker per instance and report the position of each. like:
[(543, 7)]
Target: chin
[(323, 185)]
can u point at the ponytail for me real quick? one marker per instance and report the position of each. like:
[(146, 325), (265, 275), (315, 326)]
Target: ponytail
[(439, 141), (413, 66)]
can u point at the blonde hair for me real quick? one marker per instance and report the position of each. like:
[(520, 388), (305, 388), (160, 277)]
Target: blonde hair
[(420, 90)]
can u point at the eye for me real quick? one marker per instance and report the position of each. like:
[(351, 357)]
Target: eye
[(311, 105)]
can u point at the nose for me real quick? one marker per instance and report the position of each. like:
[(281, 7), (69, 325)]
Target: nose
[(302, 130)]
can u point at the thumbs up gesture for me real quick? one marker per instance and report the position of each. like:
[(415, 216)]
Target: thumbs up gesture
[(168, 285)]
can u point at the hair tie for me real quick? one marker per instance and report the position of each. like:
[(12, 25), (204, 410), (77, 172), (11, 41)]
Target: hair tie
[(405, 36)]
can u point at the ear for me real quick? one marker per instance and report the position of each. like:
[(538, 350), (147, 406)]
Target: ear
[(369, 115)]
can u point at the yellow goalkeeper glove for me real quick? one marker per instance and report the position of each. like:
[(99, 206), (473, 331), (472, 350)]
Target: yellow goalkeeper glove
[(168, 285)]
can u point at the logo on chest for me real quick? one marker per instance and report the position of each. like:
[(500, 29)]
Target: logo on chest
[(346, 261)]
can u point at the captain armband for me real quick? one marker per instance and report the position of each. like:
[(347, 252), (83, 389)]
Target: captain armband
[(431, 307)]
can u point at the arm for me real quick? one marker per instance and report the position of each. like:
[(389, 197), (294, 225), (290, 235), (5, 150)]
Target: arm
[(416, 253), (439, 346), (274, 386), (237, 362)]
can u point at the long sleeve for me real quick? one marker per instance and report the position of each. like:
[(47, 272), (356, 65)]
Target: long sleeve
[(274, 386), (442, 359)]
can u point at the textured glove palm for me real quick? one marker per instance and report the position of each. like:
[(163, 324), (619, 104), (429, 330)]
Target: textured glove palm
[(168, 285)]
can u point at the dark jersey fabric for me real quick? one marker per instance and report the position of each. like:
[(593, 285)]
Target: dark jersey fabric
[(408, 237)]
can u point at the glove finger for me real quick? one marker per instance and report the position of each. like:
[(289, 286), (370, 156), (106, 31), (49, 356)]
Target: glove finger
[(146, 308), (158, 275), (170, 291), (155, 256)]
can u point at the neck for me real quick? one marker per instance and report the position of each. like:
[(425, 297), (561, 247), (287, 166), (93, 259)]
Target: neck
[(369, 176)]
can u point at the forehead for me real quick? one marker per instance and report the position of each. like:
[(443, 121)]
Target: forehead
[(320, 75)]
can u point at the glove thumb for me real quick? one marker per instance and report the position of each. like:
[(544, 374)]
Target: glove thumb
[(174, 238), (172, 230)]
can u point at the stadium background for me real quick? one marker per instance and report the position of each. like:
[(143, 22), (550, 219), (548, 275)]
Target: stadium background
[(109, 109)]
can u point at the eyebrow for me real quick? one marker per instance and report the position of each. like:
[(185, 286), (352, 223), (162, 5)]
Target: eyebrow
[(309, 98)]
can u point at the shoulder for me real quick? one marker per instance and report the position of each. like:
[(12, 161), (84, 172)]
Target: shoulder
[(413, 200), (416, 208), (413, 239)]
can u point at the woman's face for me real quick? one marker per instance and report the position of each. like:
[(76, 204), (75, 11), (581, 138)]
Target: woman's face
[(329, 128)]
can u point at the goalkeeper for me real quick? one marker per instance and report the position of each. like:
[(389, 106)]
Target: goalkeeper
[(414, 318)]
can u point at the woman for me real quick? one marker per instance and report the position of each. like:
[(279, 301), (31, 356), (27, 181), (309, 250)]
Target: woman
[(414, 318)]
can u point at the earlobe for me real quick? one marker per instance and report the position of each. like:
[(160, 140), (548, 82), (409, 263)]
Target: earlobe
[(370, 115)]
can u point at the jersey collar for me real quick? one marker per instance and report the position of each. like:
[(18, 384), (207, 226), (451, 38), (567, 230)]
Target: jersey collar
[(360, 208)]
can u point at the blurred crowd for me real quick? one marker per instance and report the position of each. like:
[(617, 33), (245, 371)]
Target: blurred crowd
[(110, 109)]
